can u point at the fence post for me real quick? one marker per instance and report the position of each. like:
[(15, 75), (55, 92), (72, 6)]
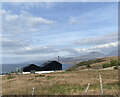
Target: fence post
[(87, 88), (101, 83), (33, 91)]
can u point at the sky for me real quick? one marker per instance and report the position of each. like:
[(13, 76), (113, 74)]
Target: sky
[(37, 31)]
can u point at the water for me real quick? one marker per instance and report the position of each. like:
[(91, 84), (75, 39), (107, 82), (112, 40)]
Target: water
[(7, 68), (66, 66)]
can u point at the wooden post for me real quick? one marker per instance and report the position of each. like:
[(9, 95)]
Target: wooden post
[(33, 91), (17, 70), (101, 83), (87, 88)]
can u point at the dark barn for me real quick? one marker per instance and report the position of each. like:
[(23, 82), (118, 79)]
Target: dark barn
[(48, 66), (51, 65), (31, 67)]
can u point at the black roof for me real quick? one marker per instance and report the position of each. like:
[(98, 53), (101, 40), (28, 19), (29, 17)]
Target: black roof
[(49, 65), (48, 62), (30, 65)]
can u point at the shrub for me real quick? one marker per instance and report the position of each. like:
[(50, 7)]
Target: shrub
[(115, 67), (12, 71), (8, 74), (85, 63), (10, 77), (88, 66), (113, 63), (105, 65), (98, 60), (118, 63)]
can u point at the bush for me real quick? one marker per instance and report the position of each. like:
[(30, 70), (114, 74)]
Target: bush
[(12, 71), (85, 63), (118, 63), (115, 67), (105, 65), (10, 77), (88, 66), (113, 63), (98, 60), (8, 74)]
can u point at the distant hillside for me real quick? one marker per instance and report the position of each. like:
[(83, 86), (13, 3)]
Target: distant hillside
[(93, 64), (94, 55), (86, 57), (113, 53)]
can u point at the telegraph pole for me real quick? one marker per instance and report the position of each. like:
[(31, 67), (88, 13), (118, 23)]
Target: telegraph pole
[(58, 58)]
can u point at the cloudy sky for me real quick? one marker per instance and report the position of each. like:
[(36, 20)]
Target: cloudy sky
[(41, 31)]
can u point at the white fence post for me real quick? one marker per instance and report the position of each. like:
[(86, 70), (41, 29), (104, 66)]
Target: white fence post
[(87, 88), (101, 83), (33, 91)]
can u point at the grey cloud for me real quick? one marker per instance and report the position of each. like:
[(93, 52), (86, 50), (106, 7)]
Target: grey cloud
[(16, 23), (36, 21), (40, 50), (105, 48), (70, 50), (33, 50), (76, 20), (29, 5), (97, 40), (13, 43)]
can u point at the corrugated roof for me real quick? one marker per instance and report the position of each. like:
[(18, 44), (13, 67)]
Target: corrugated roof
[(29, 65), (48, 62)]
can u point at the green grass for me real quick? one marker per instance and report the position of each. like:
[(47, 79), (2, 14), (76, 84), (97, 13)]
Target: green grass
[(50, 77), (10, 77), (47, 77), (40, 76), (67, 71), (111, 86), (67, 83), (67, 88), (85, 63), (63, 89)]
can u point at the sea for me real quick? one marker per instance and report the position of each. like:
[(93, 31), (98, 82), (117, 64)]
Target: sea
[(7, 68)]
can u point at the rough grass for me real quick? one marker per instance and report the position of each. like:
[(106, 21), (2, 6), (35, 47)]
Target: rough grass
[(86, 63), (93, 64), (10, 77), (62, 83)]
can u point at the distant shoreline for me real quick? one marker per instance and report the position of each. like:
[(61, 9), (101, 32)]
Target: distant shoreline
[(6, 70)]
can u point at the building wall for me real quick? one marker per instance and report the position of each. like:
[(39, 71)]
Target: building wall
[(38, 72)]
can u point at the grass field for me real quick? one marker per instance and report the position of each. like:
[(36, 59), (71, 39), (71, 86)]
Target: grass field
[(62, 83)]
